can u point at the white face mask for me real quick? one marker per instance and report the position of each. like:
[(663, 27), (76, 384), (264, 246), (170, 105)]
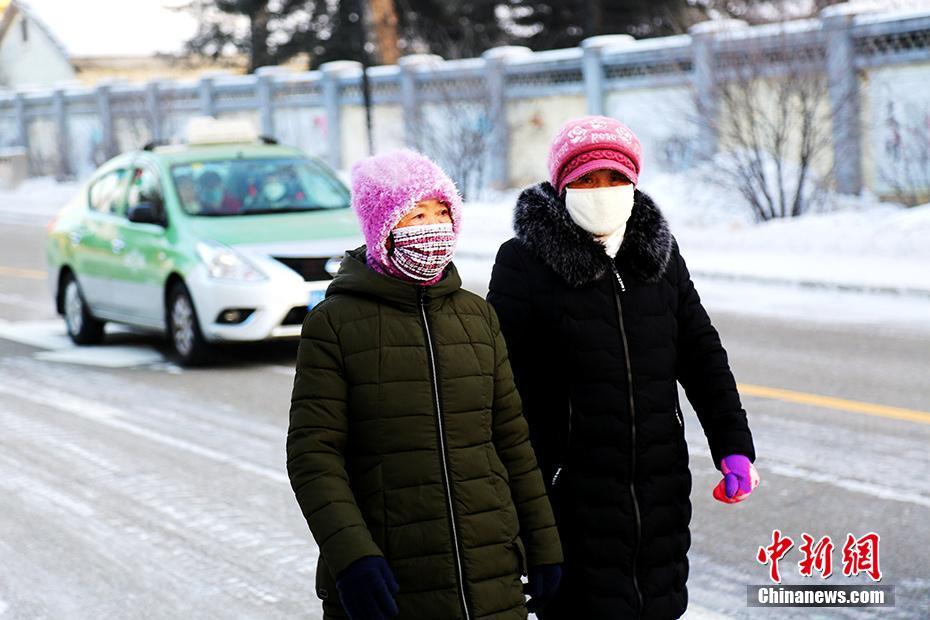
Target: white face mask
[(601, 211)]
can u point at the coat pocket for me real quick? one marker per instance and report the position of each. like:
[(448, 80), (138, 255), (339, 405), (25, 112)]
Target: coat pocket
[(520, 550), (495, 464), (500, 480), (371, 498), (499, 476)]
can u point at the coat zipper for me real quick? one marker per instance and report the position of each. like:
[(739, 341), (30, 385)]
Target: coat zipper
[(568, 443), (444, 456), (629, 378)]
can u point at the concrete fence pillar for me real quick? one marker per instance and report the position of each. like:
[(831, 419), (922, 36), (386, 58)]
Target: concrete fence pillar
[(704, 75), (332, 72), (63, 139), (592, 68), (105, 114), (207, 102), (409, 66), (496, 84), (22, 122), (843, 85), (265, 95), (207, 96), (153, 111)]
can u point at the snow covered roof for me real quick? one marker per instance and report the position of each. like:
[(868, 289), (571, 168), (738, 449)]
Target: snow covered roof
[(11, 8)]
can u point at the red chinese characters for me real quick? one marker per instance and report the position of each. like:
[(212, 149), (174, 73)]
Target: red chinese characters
[(817, 556), (774, 552), (860, 555)]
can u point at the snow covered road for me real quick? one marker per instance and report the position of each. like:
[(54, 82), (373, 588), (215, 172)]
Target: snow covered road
[(124, 499), (130, 488)]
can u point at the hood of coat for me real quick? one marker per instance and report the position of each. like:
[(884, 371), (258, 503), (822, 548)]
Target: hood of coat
[(355, 277), (543, 224)]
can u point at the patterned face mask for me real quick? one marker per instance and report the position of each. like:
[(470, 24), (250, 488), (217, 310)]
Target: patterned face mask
[(422, 252)]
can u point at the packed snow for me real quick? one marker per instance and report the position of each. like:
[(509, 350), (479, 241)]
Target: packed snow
[(35, 199), (857, 244)]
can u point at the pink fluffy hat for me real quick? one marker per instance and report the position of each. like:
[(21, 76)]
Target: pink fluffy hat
[(387, 187), (590, 143)]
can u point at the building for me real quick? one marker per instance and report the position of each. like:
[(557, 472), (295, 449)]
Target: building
[(30, 54)]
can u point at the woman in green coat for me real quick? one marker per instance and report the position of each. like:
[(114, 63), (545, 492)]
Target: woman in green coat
[(407, 448)]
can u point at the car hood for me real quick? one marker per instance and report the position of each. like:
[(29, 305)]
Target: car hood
[(295, 234)]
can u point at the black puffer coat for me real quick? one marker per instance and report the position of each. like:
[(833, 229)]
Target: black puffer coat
[(597, 347)]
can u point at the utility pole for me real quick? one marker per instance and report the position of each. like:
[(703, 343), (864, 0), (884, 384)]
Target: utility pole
[(365, 25), (366, 98)]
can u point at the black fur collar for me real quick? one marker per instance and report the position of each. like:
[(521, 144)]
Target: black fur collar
[(542, 222)]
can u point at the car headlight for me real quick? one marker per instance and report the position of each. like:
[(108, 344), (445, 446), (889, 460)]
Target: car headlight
[(226, 264)]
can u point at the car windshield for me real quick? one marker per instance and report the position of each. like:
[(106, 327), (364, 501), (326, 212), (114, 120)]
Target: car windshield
[(256, 186)]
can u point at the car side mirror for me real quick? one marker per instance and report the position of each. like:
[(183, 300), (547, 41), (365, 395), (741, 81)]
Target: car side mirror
[(146, 213)]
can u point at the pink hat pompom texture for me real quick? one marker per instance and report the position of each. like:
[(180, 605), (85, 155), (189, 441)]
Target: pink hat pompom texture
[(387, 187), (592, 143)]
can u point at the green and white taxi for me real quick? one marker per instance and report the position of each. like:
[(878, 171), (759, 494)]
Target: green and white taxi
[(227, 238)]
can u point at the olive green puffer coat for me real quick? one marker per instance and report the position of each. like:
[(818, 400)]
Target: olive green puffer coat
[(407, 440)]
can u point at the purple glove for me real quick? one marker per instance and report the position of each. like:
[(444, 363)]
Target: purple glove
[(739, 479), (543, 583)]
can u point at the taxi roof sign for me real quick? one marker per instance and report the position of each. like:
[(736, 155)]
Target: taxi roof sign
[(202, 130)]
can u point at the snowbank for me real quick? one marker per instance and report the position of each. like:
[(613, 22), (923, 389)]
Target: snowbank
[(880, 249), (856, 244), (35, 200)]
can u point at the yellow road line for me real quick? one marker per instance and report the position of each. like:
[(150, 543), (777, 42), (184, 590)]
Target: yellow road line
[(28, 274), (841, 404)]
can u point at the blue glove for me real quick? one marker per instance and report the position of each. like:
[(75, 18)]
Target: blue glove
[(543, 583), (367, 588)]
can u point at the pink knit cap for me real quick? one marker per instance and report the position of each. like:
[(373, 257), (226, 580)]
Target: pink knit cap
[(593, 143), (387, 187)]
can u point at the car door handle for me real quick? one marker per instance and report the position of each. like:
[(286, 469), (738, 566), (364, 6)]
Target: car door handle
[(117, 245), (75, 238)]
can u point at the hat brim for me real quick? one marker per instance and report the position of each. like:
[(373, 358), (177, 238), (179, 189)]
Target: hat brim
[(598, 164)]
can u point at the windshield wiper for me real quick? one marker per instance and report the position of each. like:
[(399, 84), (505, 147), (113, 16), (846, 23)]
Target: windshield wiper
[(288, 209)]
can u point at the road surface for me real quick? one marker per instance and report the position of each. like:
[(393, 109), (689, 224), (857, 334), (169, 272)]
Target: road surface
[(134, 489)]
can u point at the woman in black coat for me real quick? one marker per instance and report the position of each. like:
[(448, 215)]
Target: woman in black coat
[(602, 321)]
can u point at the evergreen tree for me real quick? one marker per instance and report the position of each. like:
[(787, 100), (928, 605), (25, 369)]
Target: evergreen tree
[(763, 11), (346, 37), (566, 23), (267, 31), (376, 31), (451, 29)]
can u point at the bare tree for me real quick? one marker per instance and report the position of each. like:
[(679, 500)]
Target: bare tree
[(457, 132), (773, 125), (761, 11), (906, 165)]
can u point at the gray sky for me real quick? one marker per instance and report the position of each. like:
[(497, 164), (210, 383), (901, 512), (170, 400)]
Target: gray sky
[(116, 27)]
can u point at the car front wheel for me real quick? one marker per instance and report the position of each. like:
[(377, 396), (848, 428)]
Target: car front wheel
[(188, 342), (82, 327)]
